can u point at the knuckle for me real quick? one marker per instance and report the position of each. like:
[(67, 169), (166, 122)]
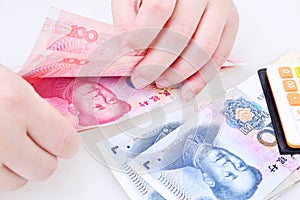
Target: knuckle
[(164, 7), (67, 146)]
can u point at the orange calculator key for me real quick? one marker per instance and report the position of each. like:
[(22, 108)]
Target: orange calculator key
[(290, 86), (285, 72), (294, 99)]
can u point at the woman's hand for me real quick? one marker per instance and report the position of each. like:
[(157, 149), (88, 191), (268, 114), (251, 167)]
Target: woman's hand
[(206, 30), (32, 134)]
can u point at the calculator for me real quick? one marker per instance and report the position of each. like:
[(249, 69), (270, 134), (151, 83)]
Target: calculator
[(281, 87)]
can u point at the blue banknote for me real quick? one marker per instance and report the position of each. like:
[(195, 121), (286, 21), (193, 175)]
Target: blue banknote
[(120, 149), (243, 162)]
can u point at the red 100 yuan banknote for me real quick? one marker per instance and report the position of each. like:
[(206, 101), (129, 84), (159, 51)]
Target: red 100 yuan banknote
[(71, 45)]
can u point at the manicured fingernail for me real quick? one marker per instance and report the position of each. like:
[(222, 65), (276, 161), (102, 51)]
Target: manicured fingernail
[(161, 83), (139, 82), (188, 96)]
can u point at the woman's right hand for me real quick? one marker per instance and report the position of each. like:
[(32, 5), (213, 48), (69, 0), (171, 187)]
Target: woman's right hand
[(33, 135), (187, 41)]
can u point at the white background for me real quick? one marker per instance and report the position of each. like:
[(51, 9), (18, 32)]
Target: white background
[(268, 28)]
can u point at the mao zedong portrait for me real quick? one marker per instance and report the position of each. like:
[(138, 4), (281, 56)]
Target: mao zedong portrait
[(226, 174), (90, 101)]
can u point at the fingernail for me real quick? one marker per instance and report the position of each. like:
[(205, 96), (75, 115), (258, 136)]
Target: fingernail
[(188, 96), (161, 83), (139, 82)]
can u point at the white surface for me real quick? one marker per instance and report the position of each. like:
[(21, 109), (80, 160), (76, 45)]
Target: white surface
[(268, 28)]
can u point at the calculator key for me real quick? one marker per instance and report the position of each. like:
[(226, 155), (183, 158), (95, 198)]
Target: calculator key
[(297, 69), (290, 85), (285, 72), (296, 113), (294, 99)]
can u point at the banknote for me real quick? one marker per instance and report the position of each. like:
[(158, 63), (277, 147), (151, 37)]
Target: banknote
[(71, 45), (61, 64), (290, 57), (89, 102), (285, 185), (116, 152), (242, 163), (64, 31)]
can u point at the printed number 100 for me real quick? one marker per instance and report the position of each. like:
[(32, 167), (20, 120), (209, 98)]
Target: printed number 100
[(82, 33)]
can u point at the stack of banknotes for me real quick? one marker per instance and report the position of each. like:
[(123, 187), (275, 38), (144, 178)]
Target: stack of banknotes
[(219, 146)]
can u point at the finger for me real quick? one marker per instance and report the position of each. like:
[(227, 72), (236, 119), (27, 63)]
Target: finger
[(227, 39), (198, 81), (170, 42), (9, 180), (189, 61), (206, 40), (51, 130), (124, 12), (149, 21), (26, 158)]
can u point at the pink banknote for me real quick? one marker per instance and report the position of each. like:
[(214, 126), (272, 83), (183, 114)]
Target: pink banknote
[(96, 101), (71, 45), (61, 64)]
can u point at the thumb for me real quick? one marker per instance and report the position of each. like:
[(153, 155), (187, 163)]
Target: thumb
[(124, 12)]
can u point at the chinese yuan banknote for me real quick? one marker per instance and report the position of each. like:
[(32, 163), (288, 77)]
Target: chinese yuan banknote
[(286, 59), (117, 151), (100, 101), (65, 42), (71, 45), (243, 161)]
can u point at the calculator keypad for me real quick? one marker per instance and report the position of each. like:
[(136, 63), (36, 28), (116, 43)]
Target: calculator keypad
[(285, 84)]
